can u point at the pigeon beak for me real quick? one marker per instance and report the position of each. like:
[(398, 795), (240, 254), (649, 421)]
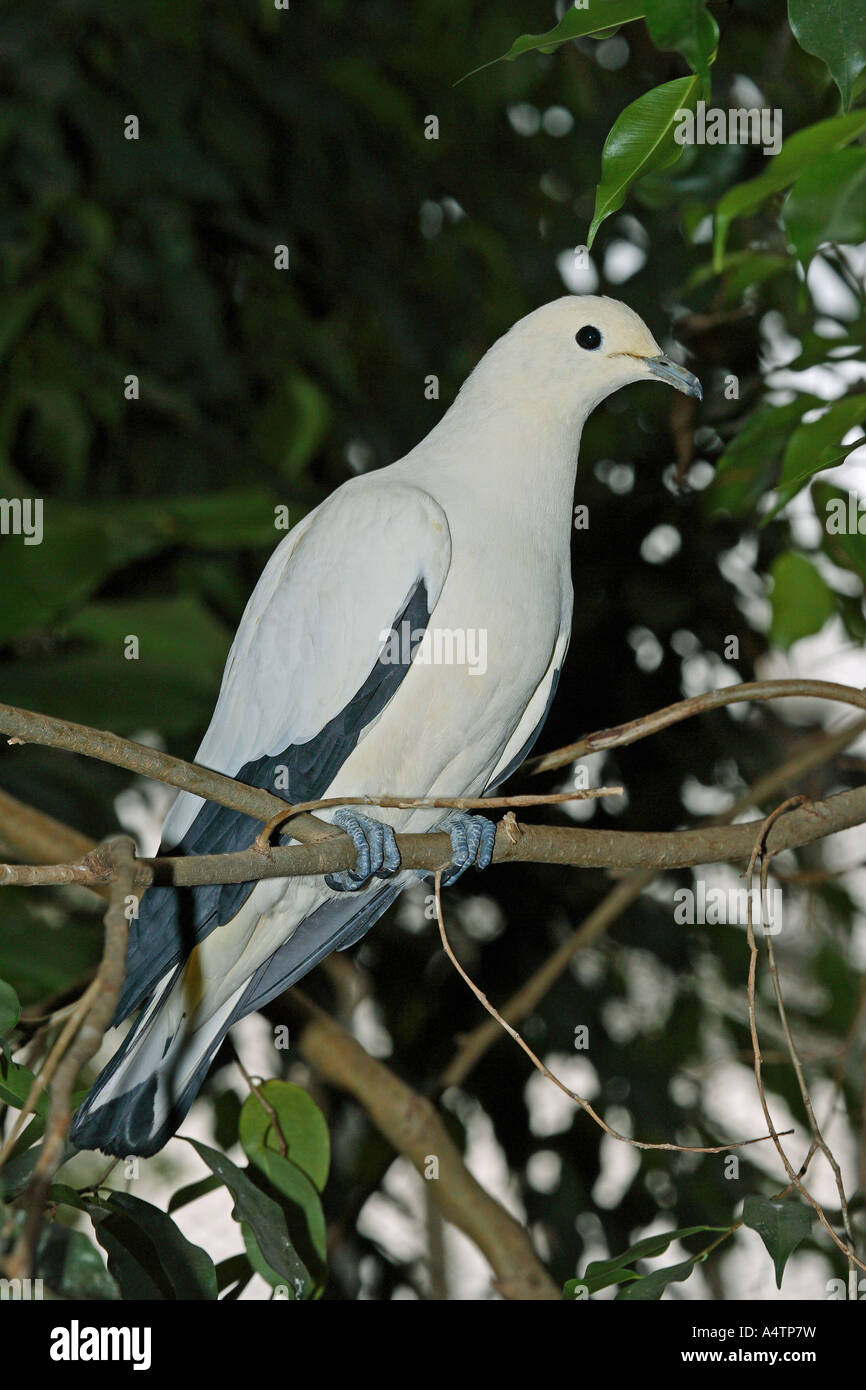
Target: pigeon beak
[(675, 375)]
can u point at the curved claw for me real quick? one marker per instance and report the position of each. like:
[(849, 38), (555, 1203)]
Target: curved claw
[(472, 839), (375, 845)]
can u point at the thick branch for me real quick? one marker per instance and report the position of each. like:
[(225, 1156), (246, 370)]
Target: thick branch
[(414, 1127), (539, 844), (24, 726)]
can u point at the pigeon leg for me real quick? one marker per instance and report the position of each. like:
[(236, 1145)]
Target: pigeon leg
[(378, 855), (472, 840)]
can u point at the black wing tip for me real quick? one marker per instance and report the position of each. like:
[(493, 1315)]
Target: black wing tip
[(122, 1128)]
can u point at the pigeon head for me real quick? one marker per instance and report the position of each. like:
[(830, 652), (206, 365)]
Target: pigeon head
[(575, 351)]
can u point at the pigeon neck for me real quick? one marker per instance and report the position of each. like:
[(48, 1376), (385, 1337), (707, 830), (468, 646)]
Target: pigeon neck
[(515, 448)]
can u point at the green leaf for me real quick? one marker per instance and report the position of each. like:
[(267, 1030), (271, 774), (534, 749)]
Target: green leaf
[(641, 140), (742, 271), (830, 457), (10, 1009), (168, 629), (835, 32), (575, 24), (652, 1286), (747, 468), (686, 26), (301, 1125), (600, 1274), (806, 145), (192, 1191), (290, 428), (259, 1265), (288, 1180), (815, 446), (811, 440), (15, 1083), (72, 1267), (108, 692), (147, 1253), (843, 522), (264, 1218), (781, 1225), (828, 203), (52, 577), (801, 600), (236, 1269), (303, 1169), (222, 521), (34, 956)]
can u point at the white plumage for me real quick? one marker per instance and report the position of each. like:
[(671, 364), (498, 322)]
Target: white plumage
[(469, 533)]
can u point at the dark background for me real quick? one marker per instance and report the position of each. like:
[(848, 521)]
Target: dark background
[(259, 387)]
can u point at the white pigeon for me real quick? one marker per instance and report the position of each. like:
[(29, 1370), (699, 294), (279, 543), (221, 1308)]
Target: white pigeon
[(404, 639)]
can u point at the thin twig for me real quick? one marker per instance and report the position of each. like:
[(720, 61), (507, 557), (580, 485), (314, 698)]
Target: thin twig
[(256, 1090), (472, 1046), (545, 1071), (408, 803), (20, 1263), (794, 1178), (818, 1138), (46, 1071), (636, 729)]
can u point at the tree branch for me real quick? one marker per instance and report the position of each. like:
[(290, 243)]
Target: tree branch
[(413, 1126), (539, 844), (25, 726), (635, 729), (119, 856), (472, 1046)]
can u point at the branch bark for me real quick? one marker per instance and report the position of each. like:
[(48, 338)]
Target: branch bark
[(539, 844), (118, 856), (473, 1045), (412, 1124), (749, 691), (26, 726)]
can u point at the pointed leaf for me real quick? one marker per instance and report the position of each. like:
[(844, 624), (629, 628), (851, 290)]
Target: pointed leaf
[(835, 32), (828, 203), (652, 1286), (192, 1192), (809, 441), (843, 522), (597, 16), (10, 1009), (150, 1239), (641, 139), (264, 1218), (781, 1226), (684, 25), (801, 600), (600, 1274), (301, 1125), (806, 145), (746, 469)]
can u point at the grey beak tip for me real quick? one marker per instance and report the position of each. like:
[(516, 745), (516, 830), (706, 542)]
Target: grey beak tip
[(675, 375)]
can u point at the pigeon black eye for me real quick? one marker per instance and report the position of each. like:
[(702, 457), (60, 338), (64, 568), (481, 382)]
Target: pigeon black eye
[(588, 337)]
